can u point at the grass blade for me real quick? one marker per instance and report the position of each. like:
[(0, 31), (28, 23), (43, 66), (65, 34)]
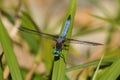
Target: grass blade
[(59, 67), (32, 40), (1, 73), (109, 20), (112, 72), (94, 76), (7, 15), (92, 63), (9, 53)]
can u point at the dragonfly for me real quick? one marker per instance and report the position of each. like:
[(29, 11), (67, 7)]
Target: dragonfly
[(60, 40)]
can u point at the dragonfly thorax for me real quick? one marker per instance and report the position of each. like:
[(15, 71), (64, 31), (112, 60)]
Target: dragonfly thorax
[(59, 43), (60, 40), (58, 47)]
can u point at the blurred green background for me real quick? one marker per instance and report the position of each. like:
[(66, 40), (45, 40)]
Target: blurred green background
[(95, 21)]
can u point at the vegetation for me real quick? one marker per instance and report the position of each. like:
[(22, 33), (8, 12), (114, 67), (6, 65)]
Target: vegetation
[(27, 56)]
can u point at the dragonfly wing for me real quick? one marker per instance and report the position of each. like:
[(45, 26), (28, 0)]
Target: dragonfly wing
[(82, 42), (54, 37)]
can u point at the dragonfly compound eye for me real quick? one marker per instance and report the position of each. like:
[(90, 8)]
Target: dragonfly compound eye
[(56, 53)]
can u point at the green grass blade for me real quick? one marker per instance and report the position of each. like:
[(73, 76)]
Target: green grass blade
[(109, 20), (28, 22), (59, 67), (7, 15), (32, 40), (92, 63), (94, 76), (82, 32), (9, 53), (118, 10), (112, 72)]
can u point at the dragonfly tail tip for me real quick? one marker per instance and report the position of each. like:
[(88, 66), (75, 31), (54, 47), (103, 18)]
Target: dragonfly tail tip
[(69, 17)]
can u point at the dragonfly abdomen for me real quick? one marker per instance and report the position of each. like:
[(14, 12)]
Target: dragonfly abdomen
[(65, 30)]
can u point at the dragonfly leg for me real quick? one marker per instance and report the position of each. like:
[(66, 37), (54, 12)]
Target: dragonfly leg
[(58, 57), (66, 48), (63, 57), (65, 45)]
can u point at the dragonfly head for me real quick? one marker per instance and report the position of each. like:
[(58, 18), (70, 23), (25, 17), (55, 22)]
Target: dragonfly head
[(56, 52)]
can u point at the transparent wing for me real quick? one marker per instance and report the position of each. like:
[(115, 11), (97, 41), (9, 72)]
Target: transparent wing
[(82, 42), (54, 37)]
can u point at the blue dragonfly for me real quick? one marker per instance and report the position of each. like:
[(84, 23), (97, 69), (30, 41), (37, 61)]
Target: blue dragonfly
[(60, 40)]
